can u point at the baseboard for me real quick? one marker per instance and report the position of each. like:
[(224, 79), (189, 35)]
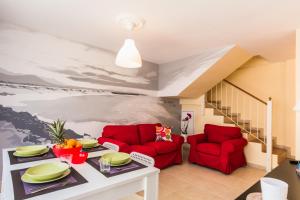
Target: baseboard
[(256, 166)]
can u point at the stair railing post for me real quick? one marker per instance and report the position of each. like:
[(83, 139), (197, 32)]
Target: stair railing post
[(269, 136)]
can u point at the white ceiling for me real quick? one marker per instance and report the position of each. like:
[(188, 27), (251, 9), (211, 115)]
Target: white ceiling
[(174, 28)]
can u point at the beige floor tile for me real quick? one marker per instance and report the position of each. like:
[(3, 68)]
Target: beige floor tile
[(189, 182)]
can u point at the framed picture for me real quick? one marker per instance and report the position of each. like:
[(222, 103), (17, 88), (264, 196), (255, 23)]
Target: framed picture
[(187, 122)]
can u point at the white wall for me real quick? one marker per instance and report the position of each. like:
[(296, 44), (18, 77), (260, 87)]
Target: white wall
[(176, 76), (297, 142)]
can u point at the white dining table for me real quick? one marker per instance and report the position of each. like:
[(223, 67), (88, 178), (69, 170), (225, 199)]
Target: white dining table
[(97, 187)]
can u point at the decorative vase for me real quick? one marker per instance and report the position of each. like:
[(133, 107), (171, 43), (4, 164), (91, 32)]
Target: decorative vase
[(184, 137)]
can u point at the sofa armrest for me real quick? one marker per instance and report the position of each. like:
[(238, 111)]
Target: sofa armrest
[(123, 147), (196, 139), (178, 139), (234, 145)]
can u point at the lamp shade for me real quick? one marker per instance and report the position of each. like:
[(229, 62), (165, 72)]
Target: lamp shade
[(297, 107), (129, 56)]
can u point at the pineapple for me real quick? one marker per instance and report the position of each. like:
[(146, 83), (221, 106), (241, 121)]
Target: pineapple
[(56, 131)]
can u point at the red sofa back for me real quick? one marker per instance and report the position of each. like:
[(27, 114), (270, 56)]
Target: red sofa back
[(124, 133), (147, 132), (219, 134), (131, 134)]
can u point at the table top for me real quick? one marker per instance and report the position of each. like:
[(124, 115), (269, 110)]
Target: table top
[(285, 172), (97, 182)]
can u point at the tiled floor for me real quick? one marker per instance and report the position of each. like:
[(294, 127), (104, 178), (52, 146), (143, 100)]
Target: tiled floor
[(190, 182)]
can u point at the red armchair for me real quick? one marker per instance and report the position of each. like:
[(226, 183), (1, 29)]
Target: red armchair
[(141, 138), (220, 147)]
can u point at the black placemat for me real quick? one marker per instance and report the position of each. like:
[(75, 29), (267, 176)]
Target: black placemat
[(94, 149), (26, 190), (17, 160), (114, 171)]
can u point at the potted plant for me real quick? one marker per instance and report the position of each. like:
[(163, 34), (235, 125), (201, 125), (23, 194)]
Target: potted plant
[(62, 145)]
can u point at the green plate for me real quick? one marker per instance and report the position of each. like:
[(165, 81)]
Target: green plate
[(47, 171), (25, 178), (30, 150), (117, 165), (25, 156), (116, 158), (97, 145), (88, 143)]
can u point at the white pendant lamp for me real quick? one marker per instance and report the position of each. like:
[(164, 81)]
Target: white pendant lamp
[(129, 56)]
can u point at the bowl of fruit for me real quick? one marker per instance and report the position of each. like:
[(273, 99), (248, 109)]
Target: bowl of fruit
[(62, 145), (71, 146)]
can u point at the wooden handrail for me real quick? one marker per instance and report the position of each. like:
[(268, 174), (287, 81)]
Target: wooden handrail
[(253, 96)]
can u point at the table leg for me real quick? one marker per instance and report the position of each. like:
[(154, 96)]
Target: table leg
[(151, 187)]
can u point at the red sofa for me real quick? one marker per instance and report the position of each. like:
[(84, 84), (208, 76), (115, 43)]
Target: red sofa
[(141, 138), (220, 147)]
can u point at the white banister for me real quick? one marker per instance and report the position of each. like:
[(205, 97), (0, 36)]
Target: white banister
[(253, 115), (269, 136)]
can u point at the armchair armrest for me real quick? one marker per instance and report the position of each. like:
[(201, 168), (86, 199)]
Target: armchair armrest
[(178, 139), (234, 145), (196, 139), (123, 147)]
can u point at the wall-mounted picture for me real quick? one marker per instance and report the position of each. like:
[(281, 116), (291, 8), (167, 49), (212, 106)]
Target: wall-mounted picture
[(187, 122)]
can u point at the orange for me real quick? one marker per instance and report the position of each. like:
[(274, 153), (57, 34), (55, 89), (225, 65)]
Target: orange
[(68, 147), (78, 145), (71, 142)]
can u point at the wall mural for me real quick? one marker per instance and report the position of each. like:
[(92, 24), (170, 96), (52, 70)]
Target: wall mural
[(44, 78)]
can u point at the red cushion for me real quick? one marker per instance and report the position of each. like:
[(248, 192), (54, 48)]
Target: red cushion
[(147, 132), (147, 150), (219, 134), (209, 148), (162, 147), (123, 133)]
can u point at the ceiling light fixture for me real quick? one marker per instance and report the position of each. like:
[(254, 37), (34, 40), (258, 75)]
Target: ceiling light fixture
[(129, 56)]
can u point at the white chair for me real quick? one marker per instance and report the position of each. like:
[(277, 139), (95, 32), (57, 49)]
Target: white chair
[(142, 158), (111, 146)]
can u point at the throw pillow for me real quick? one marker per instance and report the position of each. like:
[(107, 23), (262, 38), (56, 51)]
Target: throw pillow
[(163, 134)]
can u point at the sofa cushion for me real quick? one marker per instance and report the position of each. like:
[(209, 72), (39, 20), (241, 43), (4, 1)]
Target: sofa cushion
[(162, 147), (147, 132), (163, 133), (123, 133), (219, 134), (147, 150), (209, 148)]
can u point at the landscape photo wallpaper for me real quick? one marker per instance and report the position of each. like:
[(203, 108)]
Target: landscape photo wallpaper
[(44, 78)]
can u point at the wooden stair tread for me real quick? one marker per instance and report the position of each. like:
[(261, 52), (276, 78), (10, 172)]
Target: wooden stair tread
[(252, 138), (281, 154)]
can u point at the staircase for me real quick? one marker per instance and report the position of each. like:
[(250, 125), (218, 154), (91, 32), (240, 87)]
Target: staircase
[(246, 111)]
